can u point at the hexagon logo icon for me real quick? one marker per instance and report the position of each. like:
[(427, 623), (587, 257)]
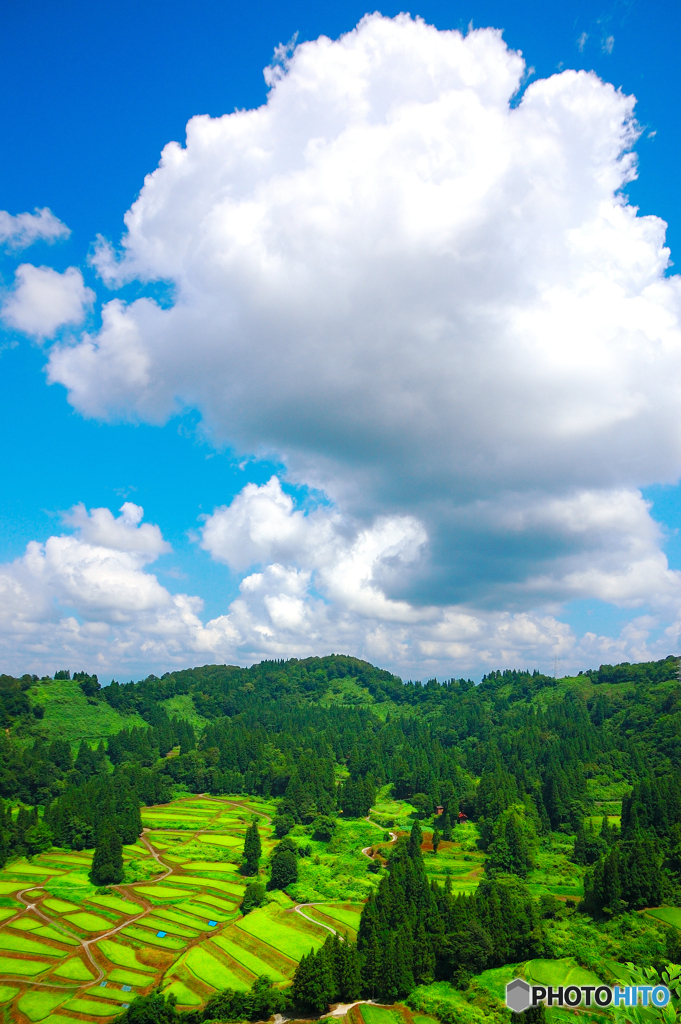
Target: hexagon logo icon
[(518, 995)]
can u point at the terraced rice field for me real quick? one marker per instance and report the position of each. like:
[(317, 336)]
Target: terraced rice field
[(71, 953), (670, 915)]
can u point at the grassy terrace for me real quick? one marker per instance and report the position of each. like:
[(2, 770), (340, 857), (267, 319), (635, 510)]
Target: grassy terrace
[(70, 952)]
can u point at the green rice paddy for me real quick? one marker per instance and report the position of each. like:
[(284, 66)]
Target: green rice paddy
[(20, 943), (38, 1005), (347, 916), (147, 936), (220, 840), (21, 965), (89, 922), (380, 1015), (58, 936), (61, 906), (559, 972), (173, 915), (288, 940), (91, 1007), (116, 903), (168, 925), (162, 892), (211, 970), (670, 915), (124, 977), (248, 960), (184, 995), (120, 954), (6, 887), (25, 924), (74, 969)]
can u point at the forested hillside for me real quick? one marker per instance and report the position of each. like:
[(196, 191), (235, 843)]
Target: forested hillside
[(579, 772)]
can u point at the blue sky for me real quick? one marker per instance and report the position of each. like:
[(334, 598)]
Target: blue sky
[(91, 95)]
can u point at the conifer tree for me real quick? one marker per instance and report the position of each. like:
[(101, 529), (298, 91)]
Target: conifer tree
[(446, 827), (107, 862), (348, 972), (437, 836), (415, 840), (313, 984), (252, 850), (372, 969), (424, 958)]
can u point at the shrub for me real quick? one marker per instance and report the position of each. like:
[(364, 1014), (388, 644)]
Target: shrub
[(283, 823), (323, 828), (254, 896)]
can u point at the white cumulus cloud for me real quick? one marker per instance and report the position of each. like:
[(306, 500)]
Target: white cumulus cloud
[(24, 229), (87, 598), (44, 300)]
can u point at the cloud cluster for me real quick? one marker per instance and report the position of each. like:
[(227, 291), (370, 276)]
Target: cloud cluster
[(44, 300), (315, 584), (427, 301), (430, 299), (87, 595), (26, 228)]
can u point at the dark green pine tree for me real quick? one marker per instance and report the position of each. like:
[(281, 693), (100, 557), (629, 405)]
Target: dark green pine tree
[(348, 971), (437, 837), (446, 827), (372, 969), (128, 815), (415, 840), (107, 862), (424, 957), (252, 850), (313, 984), (579, 848)]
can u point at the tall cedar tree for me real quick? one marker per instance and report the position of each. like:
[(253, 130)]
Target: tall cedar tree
[(107, 862), (252, 850), (328, 976)]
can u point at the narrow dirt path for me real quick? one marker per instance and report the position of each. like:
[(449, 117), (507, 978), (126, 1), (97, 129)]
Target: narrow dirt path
[(307, 917), (393, 838)]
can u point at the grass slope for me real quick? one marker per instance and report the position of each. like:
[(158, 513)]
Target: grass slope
[(69, 714)]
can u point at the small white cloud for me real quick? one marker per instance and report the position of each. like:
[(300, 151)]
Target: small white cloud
[(121, 534), (581, 42), (44, 300), (608, 44), (26, 228)]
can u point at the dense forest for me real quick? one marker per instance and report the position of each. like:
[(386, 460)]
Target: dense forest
[(514, 754)]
